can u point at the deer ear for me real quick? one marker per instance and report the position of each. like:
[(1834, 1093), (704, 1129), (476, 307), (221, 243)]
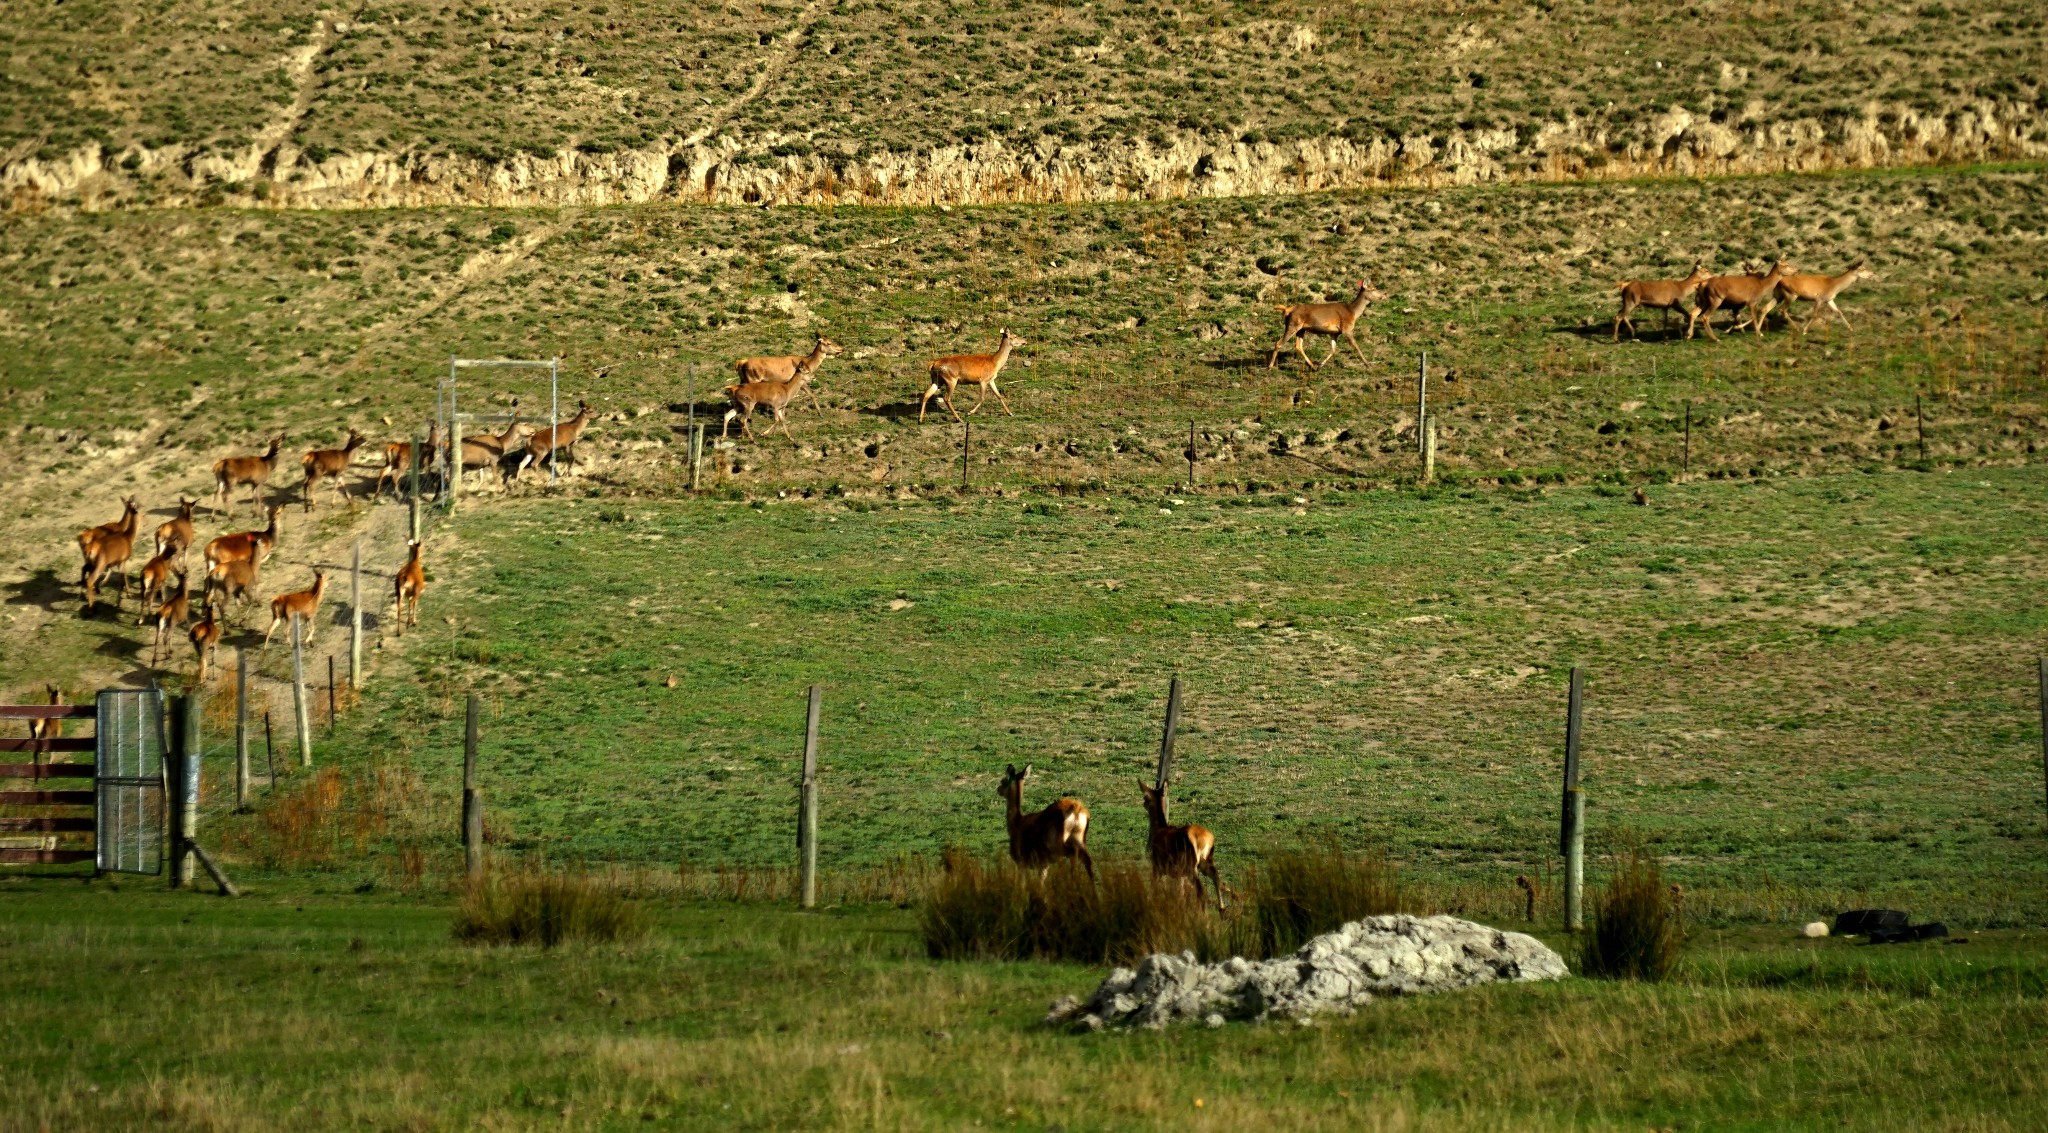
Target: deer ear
[(1010, 770), (1027, 772)]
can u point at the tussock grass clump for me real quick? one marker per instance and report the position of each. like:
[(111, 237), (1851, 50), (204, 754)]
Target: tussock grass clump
[(1303, 893), (1636, 933), (547, 909)]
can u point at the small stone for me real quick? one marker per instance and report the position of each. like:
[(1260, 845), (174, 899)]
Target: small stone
[(1212, 1020), (1815, 930)]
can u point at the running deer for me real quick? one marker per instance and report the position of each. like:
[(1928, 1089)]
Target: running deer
[(329, 464), (156, 581), (252, 547), (773, 396), (1041, 838), (1737, 293), (173, 613), (205, 637), (173, 536), (783, 367), (1820, 290), (544, 444), (398, 461), (1666, 295), (253, 472), (1333, 319), (489, 450), (232, 582), (975, 370), (410, 583), (108, 548), (1179, 852), (301, 604)]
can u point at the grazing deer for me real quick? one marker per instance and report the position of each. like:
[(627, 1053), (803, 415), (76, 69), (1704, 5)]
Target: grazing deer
[(156, 581), (233, 581), (107, 548), (783, 367), (1737, 293), (301, 604), (1666, 295), (1043, 837), (205, 636), (234, 472), (1821, 291), (398, 461), (410, 583), (329, 464), (974, 369), (544, 444), (1299, 320), (774, 396), (252, 547), (175, 535), (173, 613), (1180, 852)]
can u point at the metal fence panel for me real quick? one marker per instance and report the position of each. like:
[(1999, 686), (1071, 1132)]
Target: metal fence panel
[(129, 781)]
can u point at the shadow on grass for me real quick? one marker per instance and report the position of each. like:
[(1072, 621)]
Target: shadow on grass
[(44, 588)]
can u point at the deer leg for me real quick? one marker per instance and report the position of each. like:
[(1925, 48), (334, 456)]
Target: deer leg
[(1273, 359), (1000, 399), (930, 392), (1840, 315), (1333, 351), (980, 395), (1080, 850), (725, 426), (1356, 347), (1215, 879), (813, 391), (274, 619), (1303, 351)]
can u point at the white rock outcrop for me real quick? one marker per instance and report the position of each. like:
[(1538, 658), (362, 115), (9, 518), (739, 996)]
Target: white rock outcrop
[(1337, 971)]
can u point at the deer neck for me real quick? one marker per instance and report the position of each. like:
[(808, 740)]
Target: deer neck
[(813, 360), (1357, 304), (1013, 819), (1155, 815), (1003, 353)]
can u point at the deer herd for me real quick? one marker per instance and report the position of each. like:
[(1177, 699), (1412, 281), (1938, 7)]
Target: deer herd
[(1042, 839), (1750, 297)]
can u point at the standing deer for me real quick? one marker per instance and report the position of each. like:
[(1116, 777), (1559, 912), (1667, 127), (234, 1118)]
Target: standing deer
[(1666, 295), (489, 450), (329, 464), (252, 547), (1180, 852), (974, 369), (205, 636), (1041, 838), (775, 396), (46, 728), (1820, 290), (232, 581), (156, 581), (301, 604), (546, 443), (173, 536), (1735, 292), (783, 367), (107, 548), (234, 472), (410, 583), (398, 461), (173, 613), (1333, 319)]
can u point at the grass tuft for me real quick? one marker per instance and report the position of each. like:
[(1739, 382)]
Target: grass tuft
[(1635, 933), (547, 909), (1308, 891)]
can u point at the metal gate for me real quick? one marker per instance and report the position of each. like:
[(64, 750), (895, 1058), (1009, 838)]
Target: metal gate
[(129, 790)]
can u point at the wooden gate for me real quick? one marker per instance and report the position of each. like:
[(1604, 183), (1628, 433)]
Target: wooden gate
[(58, 789)]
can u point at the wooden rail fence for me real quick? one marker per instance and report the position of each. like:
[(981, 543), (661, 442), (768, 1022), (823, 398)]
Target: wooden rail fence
[(47, 829)]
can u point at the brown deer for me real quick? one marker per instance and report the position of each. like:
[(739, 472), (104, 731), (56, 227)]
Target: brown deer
[(205, 637), (330, 464), (173, 613), (1041, 838), (1820, 290), (301, 604), (410, 583), (234, 472), (783, 367), (1179, 852), (1736, 293), (398, 461), (488, 450), (252, 547), (48, 729), (156, 581), (1336, 320), (173, 536), (1666, 295), (544, 444), (232, 581), (774, 396), (107, 548), (974, 369)]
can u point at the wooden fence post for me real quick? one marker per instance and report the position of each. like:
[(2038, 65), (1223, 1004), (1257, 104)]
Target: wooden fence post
[(419, 455), (1429, 450), (1191, 456), (241, 729), (2044, 730), (1920, 425), (696, 455), (355, 619), (304, 717), (1421, 396), (807, 808), (1166, 735), (966, 442), (184, 801), (1572, 840), (472, 798), (330, 694), (269, 753), (1685, 462)]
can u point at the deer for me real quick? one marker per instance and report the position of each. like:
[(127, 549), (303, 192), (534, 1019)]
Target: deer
[(409, 584), (1043, 837), (156, 581), (301, 604), (1179, 852), (1666, 295), (1735, 292), (783, 367), (205, 637), (175, 535), (46, 728), (173, 613), (234, 472), (1820, 290), (329, 464), (1333, 319), (233, 581), (775, 396), (556, 438), (252, 547), (107, 548), (975, 370), (398, 461), (485, 450)]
